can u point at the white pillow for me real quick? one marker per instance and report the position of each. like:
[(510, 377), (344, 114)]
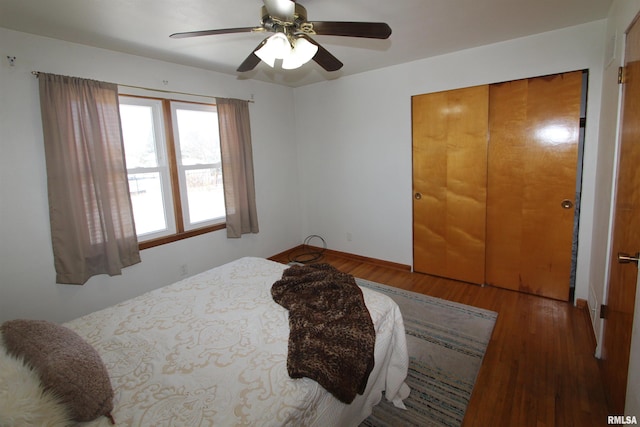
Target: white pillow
[(23, 402)]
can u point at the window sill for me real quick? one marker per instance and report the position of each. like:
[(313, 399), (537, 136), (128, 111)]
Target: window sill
[(179, 236)]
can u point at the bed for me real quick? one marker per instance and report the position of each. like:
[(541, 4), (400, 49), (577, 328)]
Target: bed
[(212, 350)]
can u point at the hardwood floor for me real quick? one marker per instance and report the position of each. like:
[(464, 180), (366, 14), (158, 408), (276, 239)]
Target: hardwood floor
[(539, 369)]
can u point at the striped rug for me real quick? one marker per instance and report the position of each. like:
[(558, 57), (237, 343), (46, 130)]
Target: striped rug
[(446, 343)]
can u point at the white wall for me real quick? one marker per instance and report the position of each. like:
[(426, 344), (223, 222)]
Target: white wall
[(354, 138), (27, 275)]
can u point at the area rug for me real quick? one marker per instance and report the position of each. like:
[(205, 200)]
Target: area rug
[(446, 343)]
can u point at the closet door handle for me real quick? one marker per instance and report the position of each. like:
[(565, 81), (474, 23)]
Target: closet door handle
[(417, 196), (566, 204)]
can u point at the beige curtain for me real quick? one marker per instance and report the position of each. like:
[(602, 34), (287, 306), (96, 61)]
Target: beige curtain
[(237, 166), (92, 228)]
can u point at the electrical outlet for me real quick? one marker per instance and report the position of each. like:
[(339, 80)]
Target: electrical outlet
[(349, 237), (183, 270)]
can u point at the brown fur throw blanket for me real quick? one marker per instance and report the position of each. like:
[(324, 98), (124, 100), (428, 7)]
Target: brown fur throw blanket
[(331, 338)]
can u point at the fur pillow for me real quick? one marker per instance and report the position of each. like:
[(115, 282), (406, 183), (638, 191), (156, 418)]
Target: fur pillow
[(23, 402), (67, 365)]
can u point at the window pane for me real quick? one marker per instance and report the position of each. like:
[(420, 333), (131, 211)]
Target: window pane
[(138, 135), (147, 200), (205, 194), (198, 135)]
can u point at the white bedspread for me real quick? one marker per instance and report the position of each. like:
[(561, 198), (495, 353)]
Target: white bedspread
[(212, 350)]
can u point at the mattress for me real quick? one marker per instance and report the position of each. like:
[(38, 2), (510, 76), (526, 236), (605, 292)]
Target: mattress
[(212, 350)]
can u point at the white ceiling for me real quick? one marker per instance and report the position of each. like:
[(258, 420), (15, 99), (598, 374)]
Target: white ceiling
[(421, 28)]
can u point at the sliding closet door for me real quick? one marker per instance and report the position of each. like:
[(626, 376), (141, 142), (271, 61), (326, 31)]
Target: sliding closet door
[(533, 153), (449, 183)]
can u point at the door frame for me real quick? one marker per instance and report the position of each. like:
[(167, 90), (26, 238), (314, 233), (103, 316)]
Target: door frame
[(611, 262)]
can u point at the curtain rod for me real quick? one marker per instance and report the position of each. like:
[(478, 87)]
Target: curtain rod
[(37, 74)]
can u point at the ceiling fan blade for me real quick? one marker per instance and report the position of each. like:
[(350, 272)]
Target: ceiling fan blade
[(282, 10), (323, 57), (252, 60), (214, 32), (371, 30)]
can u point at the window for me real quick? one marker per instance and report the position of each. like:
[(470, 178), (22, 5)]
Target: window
[(173, 159)]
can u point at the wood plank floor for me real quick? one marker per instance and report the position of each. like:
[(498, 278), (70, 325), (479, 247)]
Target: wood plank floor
[(539, 369)]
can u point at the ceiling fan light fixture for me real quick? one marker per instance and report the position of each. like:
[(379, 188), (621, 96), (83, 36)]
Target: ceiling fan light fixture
[(276, 47), (303, 51)]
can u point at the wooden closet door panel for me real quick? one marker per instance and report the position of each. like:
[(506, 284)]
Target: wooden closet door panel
[(449, 181), (533, 152)]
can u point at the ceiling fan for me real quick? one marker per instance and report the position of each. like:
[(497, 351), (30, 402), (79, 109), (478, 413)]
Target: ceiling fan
[(292, 40)]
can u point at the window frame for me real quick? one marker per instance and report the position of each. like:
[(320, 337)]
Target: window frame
[(183, 169), (180, 232)]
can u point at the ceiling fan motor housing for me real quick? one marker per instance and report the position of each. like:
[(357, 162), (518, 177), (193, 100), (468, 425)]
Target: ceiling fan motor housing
[(298, 23)]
